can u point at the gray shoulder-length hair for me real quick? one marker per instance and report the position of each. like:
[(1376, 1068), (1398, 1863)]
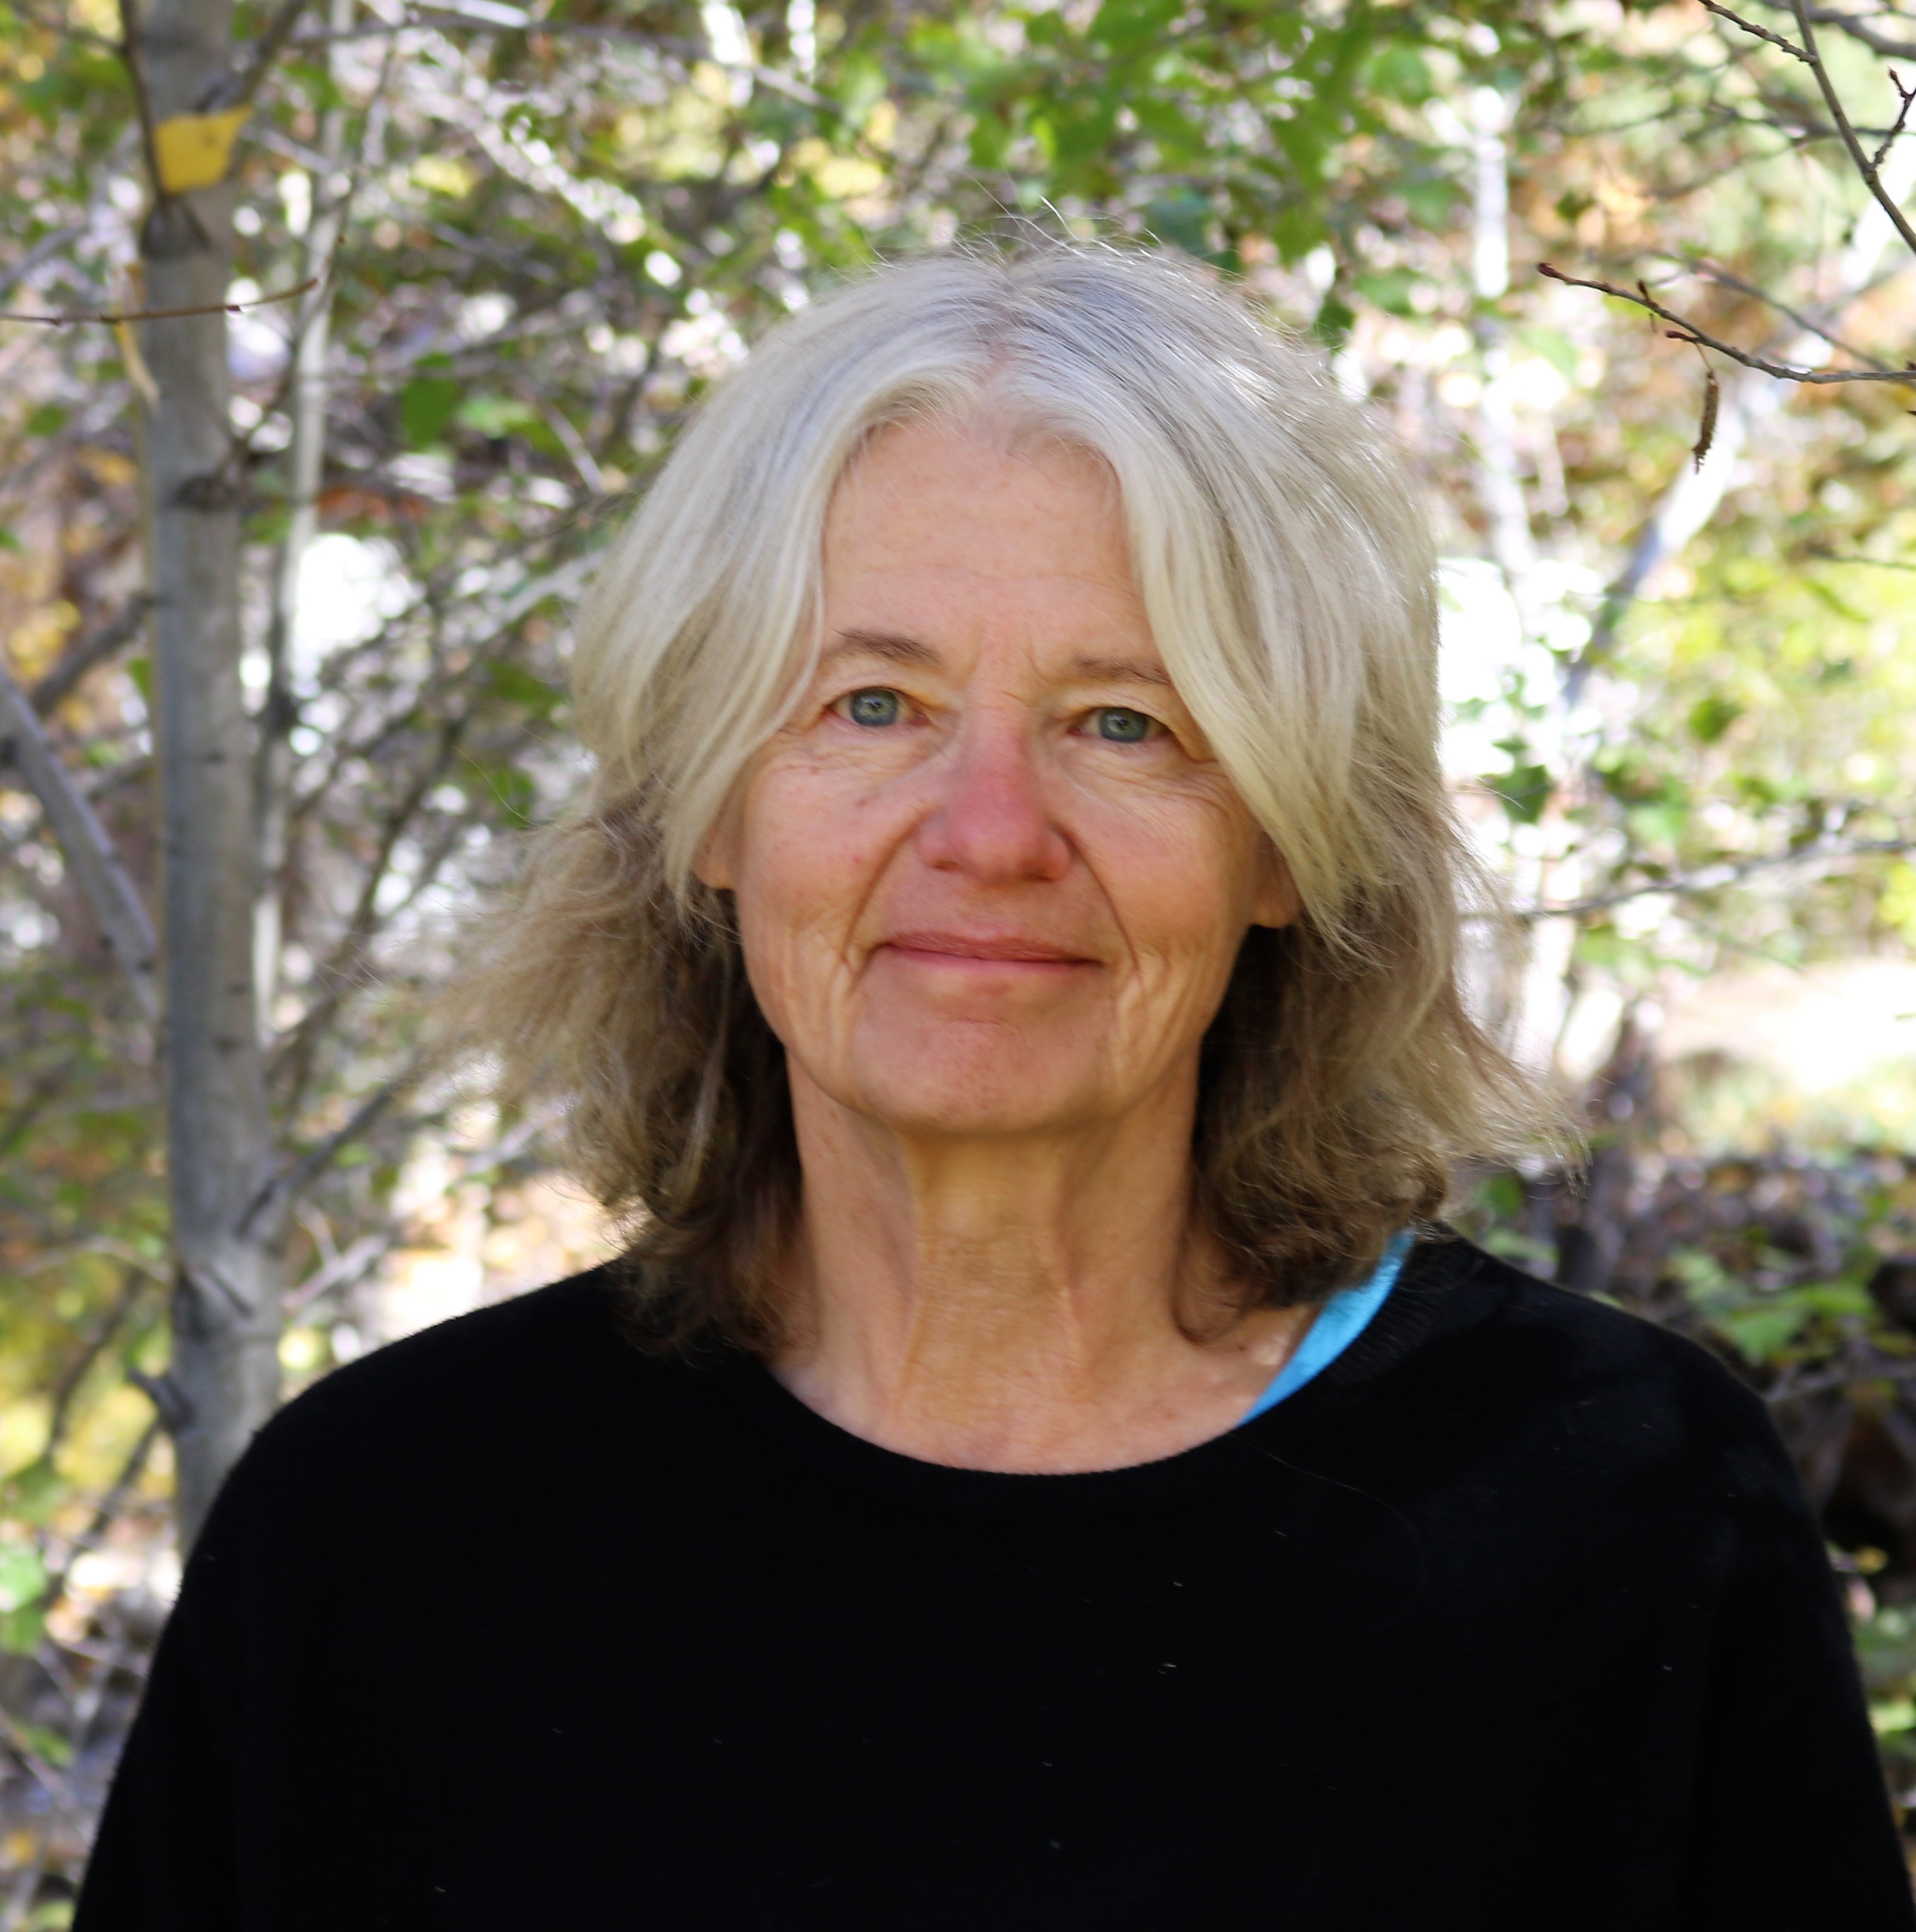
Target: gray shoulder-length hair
[(1287, 570)]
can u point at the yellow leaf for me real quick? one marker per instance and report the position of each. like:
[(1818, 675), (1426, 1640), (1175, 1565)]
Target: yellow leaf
[(191, 150), (443, 175)]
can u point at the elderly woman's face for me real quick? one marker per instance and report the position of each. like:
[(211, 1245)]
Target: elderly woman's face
[(989, 879)]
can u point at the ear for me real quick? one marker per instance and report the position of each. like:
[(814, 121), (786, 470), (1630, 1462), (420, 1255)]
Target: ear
[(1277, 902), (713, 865)]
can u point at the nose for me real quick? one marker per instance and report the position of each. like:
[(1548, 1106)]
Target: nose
[(990, 821)]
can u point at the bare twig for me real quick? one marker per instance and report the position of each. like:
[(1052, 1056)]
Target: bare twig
[(135, 64), (1872, 179), (1905, 97), (88, 850), (1875, 562), (162, 314), (241, 86), (84, 654), (293, 1062), (1873, 1366), (43, 250), (40, 1093), (352, 1265), (1751, 27), (113, 1501), (1862, 33), (171, 1410), (295, 1180), (1684, 330), (1714, 878), (1714, 271), (133, 1286)]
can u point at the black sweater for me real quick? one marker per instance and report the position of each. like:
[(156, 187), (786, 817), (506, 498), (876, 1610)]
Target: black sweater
[(1516, 1617)]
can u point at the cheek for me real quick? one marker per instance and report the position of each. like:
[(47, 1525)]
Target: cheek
[(1181, 877), (807, 854)]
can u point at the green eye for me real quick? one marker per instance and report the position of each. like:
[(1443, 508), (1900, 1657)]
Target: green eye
[(1122, 726), (874, 707)]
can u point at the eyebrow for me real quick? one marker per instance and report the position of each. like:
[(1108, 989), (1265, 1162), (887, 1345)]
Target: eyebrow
[(896, 649), (886, 644), (1121, 669)]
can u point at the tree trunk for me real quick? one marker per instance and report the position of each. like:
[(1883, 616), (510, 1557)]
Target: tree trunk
[(223, 1379)]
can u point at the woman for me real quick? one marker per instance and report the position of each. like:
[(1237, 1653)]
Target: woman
[(1039, 1465)]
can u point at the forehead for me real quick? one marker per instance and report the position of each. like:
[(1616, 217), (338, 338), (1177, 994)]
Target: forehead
[(958, 502)]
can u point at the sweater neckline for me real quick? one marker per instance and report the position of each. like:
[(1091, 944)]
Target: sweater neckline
[(1425, 1298)]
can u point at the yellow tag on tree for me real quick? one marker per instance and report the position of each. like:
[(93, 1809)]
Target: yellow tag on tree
[(193, 150)]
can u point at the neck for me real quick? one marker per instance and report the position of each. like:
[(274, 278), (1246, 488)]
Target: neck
[(1013, 1302)]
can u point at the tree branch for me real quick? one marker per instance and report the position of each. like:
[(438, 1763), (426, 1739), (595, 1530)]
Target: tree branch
[(1877, 1368), (1712, 271), (1714, 878), (1867, 168), (1864, 34), (1684, 330), (44, 250), (89, 852), (294, 1181), (1906, 99), (133, 1286), (131, 58), (83, 655), (240, 86), (1762, 33), (113, 1501), (162, 314)]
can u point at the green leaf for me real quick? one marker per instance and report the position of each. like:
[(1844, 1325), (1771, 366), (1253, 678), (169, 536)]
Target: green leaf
[(1334, 317), (518, 685), (512, 788), (48, 419), (494, 416), (1125, 26), (1556, 349), (1523, 791), (1182, 218), (1824, 594), (1710, 717), (426, 406), (1761, 1334), (23, 1575), (20, 1631), (34, 1493), (1399, 73), (49, 1745), (1389, 290)]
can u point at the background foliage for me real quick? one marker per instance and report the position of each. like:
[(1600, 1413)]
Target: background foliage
[(1681, 690)]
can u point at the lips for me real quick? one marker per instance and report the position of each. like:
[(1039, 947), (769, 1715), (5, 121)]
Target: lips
[(988, 949)]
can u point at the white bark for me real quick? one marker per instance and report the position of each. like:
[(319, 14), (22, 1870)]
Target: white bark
[(223, 1379), (1481, 130)]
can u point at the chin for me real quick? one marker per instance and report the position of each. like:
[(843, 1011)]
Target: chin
[(1007, 1088)]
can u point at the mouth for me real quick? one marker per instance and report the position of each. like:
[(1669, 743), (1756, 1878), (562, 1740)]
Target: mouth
[(1012, 951)]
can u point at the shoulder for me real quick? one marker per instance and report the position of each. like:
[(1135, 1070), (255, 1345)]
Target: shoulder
[(493, 1397), (1557, 1373)]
